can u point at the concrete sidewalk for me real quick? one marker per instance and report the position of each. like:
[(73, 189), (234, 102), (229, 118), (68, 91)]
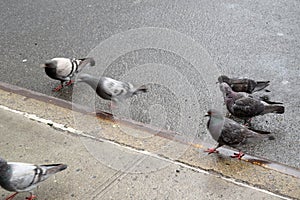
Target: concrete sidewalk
[(111, 159), (87, 178)]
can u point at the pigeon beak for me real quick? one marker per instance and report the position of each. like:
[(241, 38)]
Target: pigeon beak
[(42, 66), (207, 115)]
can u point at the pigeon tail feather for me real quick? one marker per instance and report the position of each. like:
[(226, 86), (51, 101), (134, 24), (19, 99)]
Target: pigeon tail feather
[(261, 85), (274, 109), (54, 168), (263, 134), (259, 131), (266, 99), (84, 62), (141, 89), (272, 102), (90, 60)]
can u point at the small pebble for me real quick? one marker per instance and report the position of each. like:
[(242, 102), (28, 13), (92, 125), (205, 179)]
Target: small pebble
[(285, 82), (280, 34)]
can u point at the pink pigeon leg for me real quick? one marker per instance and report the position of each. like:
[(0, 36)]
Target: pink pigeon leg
[(70, 82), (11, 196), (211, 150), (31, 197), (58, 88), (238, 155)]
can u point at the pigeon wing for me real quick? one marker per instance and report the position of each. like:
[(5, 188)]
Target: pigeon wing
[(232, 134), (114, 87), (247, 107), (239, 85), (24, 176), (64, 67)]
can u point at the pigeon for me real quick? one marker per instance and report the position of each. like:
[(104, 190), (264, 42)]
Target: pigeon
[(244, 84), (63, 69), (245, 107), (23, 177), (228, 132), (225, 88), (111, 89)]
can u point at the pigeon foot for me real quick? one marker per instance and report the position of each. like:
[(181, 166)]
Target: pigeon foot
[(248, 122), (57, 88), (70, 82), (11, 196), (31, 197), (211, 150), (238, 155)]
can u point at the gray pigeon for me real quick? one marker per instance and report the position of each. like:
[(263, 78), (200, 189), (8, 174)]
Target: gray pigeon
[(228, 132), (63, 69), (110, 89), (23, 177), (245, 107), (244, 84)]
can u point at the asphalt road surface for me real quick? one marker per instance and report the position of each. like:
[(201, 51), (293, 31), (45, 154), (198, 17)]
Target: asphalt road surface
[(177, 48)]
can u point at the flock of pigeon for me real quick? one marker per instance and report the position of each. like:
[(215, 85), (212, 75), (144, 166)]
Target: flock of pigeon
[(23, 177), (241, 104)]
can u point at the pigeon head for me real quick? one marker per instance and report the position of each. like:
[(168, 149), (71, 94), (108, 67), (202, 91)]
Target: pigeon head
[(208, 114), (214, 113), (225, 88), (50, 64), (223, 78)]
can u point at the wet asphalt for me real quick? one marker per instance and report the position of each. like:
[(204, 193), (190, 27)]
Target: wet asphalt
[(178, 49)]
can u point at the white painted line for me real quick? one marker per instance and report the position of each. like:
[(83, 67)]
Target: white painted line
[(48, 122)]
